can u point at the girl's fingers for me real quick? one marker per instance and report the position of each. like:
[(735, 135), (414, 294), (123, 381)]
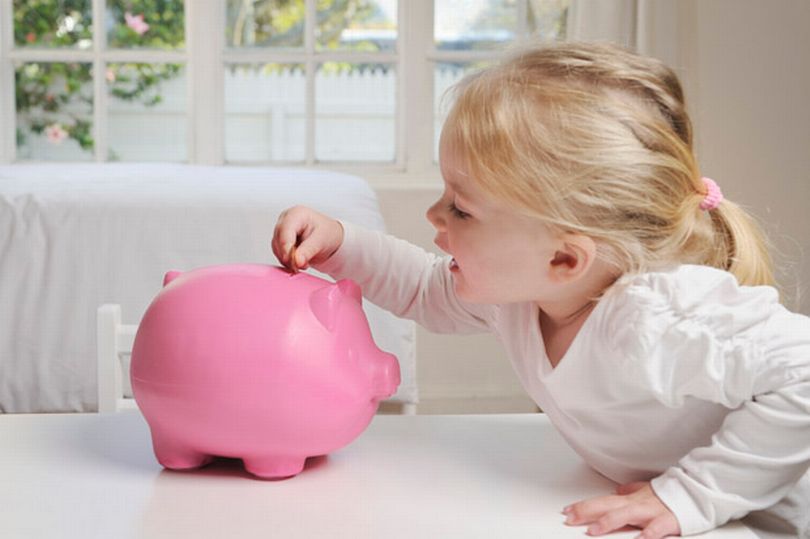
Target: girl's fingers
[(291, 226), (638, 507), (306, 234), (611, 521), (283, 248), (661, 526), (281, 237), (292, 259), (589, 510), (307, 251)]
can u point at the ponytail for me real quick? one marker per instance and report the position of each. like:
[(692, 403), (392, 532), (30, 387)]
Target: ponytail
[(742, 248)]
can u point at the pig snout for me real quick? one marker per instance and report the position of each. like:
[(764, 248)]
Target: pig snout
[(385, 376)]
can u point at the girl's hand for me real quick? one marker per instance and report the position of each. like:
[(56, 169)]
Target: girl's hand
[(303, 236), (634, 504)]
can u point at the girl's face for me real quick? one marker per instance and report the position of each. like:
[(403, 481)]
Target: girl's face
[(499, 255)]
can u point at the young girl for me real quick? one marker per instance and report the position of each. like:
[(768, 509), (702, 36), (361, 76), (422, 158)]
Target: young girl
[(633, 299)]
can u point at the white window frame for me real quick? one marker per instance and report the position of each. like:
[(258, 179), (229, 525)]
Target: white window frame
[(205, 59)]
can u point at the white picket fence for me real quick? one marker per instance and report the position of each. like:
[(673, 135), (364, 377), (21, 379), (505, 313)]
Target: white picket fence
[(265, 119)]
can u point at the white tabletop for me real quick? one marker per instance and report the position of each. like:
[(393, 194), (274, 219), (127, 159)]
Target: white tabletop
[(87, 475)]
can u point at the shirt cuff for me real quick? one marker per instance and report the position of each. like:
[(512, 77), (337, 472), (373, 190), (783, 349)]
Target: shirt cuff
[(695, 513)]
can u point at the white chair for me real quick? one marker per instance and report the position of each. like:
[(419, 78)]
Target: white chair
[(114, 347)]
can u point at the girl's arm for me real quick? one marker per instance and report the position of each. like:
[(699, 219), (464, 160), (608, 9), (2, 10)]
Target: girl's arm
[(406, 280), (763, 446), (761, 450), (694, 334)]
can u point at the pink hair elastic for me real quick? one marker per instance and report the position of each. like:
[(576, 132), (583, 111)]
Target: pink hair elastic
[(714, 196)]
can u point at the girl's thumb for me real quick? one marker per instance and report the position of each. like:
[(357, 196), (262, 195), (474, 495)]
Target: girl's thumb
[(299, 257), (294, 259)]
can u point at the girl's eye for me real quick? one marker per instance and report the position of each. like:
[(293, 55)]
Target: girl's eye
[(457, 212)]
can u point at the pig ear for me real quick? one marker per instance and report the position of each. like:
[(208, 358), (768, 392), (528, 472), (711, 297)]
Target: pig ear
[(324, 303), (350, 288), (170, 276)]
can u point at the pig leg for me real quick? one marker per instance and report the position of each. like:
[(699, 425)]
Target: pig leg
[(175, 455), (274, 467)]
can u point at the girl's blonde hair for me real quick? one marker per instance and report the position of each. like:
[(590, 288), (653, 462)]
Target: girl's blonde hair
[(594, 139)]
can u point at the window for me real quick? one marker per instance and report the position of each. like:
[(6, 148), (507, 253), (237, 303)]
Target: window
[(246, 81)]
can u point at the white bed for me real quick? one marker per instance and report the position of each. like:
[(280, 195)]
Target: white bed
[(76, 236)]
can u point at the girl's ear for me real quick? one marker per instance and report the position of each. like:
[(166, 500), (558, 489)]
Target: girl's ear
[(573, 257)]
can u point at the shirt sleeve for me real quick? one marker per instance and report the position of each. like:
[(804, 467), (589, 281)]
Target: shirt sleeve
[(406, 280), (763, 446)]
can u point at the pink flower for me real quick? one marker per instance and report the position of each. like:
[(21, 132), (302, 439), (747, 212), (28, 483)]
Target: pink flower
[(55, 134), (137, 23)]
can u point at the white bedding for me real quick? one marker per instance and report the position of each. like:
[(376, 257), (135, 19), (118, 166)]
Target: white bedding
[(75, 236)]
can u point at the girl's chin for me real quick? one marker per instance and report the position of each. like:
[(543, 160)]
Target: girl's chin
[(462, 291)]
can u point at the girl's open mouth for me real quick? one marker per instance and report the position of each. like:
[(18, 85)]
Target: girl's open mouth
[(453, 265)]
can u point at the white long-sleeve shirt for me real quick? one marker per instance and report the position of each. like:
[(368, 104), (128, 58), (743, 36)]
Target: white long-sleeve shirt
[(681, 377)]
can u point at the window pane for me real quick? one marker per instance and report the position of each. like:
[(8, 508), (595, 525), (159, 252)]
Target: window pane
[(547, 19), (51, 23), (446, 75), (265, 23), (490, 24), (355, 106), (147, 112), (487, 25), (265, 112), (361, 25), (54, 111), (474, 24), (156, 24)]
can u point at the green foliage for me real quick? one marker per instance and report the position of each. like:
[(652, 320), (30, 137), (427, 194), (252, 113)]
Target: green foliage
[(141, 81), (336, 15), (166, 20), (59, 94), (52, 23), (280, 23), (45, 90), (52, 93)]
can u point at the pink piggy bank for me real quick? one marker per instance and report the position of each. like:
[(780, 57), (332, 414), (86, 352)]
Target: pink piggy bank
[(254, 362)]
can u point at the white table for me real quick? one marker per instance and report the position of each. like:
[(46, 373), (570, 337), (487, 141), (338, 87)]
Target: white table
[(87, 475)]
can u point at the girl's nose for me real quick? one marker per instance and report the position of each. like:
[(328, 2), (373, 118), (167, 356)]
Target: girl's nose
[(434, 216)]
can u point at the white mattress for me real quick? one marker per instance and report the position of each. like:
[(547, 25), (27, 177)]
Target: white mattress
[(75, 236)]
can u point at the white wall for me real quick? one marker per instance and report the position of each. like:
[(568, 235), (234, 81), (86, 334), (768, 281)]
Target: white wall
[(749, 73), (747, 77)]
